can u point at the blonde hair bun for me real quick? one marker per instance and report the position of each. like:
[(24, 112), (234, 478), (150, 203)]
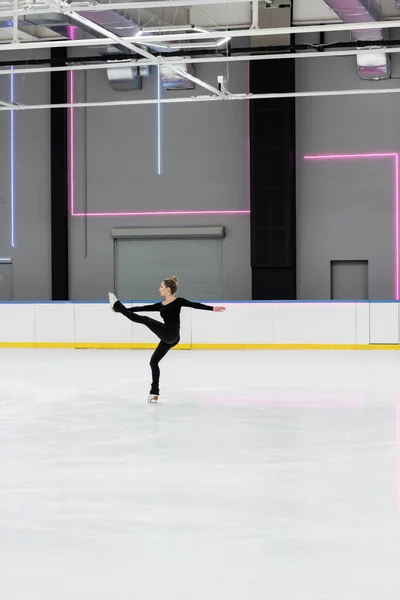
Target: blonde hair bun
[(175, 279)]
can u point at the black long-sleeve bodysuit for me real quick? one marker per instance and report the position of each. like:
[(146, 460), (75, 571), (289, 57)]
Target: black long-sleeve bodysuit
[(168, 332)]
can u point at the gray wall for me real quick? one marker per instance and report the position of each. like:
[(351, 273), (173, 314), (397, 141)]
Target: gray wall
[(205, 167), (345, 209), (31, 255)]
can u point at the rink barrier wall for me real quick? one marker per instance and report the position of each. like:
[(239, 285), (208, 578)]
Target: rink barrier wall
[(244, 326)]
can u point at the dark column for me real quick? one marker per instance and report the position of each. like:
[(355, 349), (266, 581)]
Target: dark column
[(272, 180), (59, 182)]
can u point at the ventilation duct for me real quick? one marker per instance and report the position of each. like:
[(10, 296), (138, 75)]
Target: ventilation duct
[(375, 65), (127, 78), (66, 27), (111, 20), (124, 78), (269, 17), (173, 81)]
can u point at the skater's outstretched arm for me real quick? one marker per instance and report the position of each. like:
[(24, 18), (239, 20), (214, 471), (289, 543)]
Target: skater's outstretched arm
[(200, 306), (147, 308)]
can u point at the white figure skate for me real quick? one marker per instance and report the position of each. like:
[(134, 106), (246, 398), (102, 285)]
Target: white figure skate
[(113, 299), (152, 398)]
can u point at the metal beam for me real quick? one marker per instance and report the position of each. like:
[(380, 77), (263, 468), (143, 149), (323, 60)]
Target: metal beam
[(183, 100), (21, 12), (56, 44), (395, 24), (255, 13), (200, 60), (15, 24)]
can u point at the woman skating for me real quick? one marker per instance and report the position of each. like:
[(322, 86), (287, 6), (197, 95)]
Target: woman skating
[(169, 331)]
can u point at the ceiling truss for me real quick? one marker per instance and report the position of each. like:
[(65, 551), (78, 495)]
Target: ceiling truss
[(143, 46)]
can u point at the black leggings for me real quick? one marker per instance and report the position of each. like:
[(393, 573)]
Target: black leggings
[(169, 338)]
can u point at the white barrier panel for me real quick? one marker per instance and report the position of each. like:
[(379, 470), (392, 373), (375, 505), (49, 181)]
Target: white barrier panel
[(313, 323), (98, 324), (54, 323), (244, 324), (17, 323), (241, 324), (384, 323)]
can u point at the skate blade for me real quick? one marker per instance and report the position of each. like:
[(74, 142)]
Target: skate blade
[(152, 399)]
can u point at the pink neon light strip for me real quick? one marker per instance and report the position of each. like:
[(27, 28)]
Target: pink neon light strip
[(395, 157), (158, 213), (350, 156), (396, 224), (168, 213)]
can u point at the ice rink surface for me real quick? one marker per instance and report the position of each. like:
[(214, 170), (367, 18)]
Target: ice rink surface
[(265, 475)]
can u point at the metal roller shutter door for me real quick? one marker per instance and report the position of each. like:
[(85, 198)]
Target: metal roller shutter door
[(141, 264)]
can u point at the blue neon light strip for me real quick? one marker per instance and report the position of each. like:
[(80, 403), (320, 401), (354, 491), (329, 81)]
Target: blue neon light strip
[(12, 160)]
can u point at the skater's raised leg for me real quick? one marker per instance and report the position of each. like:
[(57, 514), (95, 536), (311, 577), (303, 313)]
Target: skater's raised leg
[(162, 331)]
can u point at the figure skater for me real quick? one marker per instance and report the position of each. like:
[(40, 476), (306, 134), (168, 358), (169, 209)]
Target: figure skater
[(168, 332)]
